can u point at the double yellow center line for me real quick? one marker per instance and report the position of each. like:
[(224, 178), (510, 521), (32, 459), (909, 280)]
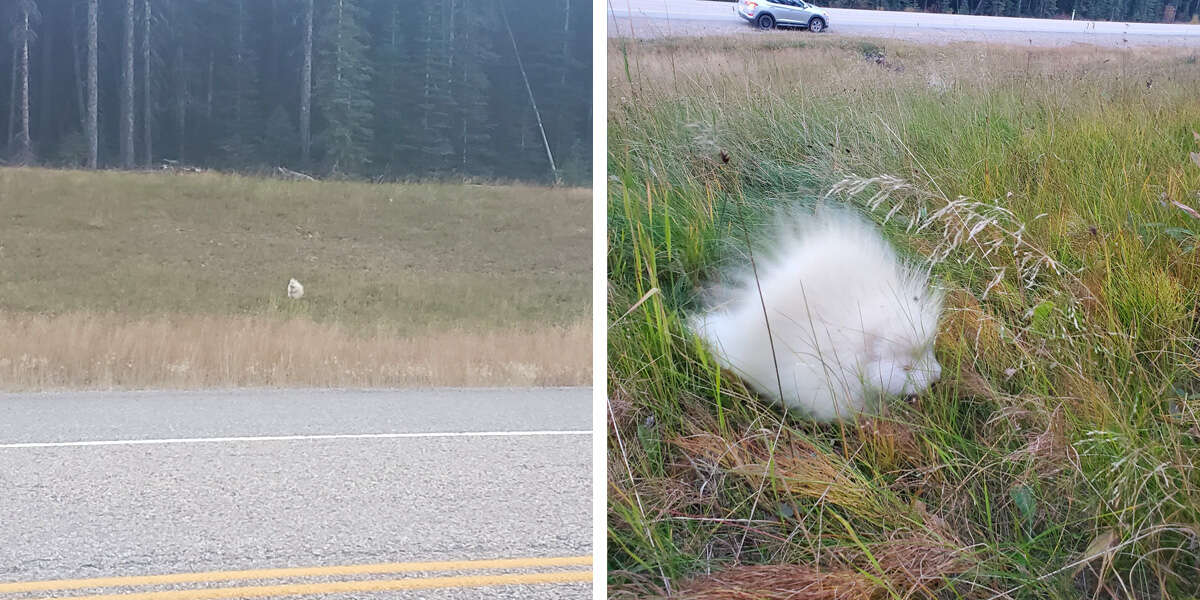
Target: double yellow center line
[(333, 587)]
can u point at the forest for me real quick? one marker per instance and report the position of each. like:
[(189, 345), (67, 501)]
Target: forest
[(384, 90), (1151, 11)]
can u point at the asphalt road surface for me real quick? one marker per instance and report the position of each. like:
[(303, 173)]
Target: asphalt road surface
[(348, 494), (647, 18)]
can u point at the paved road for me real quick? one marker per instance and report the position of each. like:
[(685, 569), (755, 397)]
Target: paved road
[(306, 480), (691, 17)]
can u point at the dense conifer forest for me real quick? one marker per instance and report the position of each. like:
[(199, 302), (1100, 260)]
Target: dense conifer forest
[(364, 89)]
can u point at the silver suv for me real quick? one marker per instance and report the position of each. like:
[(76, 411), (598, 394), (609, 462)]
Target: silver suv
[(766, 14)]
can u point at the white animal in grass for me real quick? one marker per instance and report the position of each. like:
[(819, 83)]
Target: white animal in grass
[(850, 322), (295, 291)]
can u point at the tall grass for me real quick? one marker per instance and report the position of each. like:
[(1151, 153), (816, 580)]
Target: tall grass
[(407, 256), (1049, 191), (118, 279), (93, 351)]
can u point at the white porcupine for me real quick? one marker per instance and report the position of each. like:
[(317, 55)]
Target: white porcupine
[(851, 323)]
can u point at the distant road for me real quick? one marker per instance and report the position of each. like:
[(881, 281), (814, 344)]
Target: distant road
[(697, 17), (361, 493)]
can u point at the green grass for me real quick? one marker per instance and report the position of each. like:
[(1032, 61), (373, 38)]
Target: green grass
[(1068, 415), (398, 258)]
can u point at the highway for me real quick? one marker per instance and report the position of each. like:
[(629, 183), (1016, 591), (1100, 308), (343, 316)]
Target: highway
[(694, 17), (248, 493)]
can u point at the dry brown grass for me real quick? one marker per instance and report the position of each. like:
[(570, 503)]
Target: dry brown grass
[(101, 351), (704, 68), (782, 582), (798, 467), (905, 567)]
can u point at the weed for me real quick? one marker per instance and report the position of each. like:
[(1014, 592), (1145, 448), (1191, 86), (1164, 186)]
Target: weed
[(1057, 456)]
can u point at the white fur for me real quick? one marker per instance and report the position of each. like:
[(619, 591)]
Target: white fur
[(295, 291), (850, 322)]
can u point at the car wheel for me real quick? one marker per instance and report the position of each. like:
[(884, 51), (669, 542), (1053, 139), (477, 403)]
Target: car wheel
[(765, 21), (816, 25)]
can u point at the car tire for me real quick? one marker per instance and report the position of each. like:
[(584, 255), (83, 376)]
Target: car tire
[(816, 25), (765, 22)]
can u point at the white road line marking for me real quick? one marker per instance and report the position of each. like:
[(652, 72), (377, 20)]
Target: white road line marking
[(290, 438)]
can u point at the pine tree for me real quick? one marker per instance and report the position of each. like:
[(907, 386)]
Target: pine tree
[(473, 51), (306, 87), (25, 17), (280, 138), (1150, 11), (147, 99), (394, 90), (92, 87), (342, 91), (435, 150), (241, 113), (127, 89), (51, 107), (528, 78), (77, 69)]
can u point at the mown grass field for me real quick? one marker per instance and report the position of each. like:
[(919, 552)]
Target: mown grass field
[(1053, 191), (147, 279)]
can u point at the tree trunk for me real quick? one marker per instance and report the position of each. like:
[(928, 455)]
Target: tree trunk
[(50, 105), (273, 70), (337, 48), (467, 106), (209, 95), (337, 73), (566, 48), (180, 99), (25, 150), (428, 71), (77, 64), (12, 96), (450, 48), (127, 90), (92, 130), (239, 41), (147, 103), (306, 86)]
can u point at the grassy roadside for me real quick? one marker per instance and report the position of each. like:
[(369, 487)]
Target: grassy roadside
[(118, 279), (90, 351), (1050, 189)]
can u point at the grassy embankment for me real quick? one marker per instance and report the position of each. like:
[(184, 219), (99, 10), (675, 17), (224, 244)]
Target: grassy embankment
[(154, 280), (1052, 191)]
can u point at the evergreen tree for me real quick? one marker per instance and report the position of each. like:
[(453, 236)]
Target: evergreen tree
[(342, 91), (435, 150), (392, 86), (473, 154), (306, 85), (241, 112), (126, 124), (147, 86), (26, 19), (279, 138), (92, 86)]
